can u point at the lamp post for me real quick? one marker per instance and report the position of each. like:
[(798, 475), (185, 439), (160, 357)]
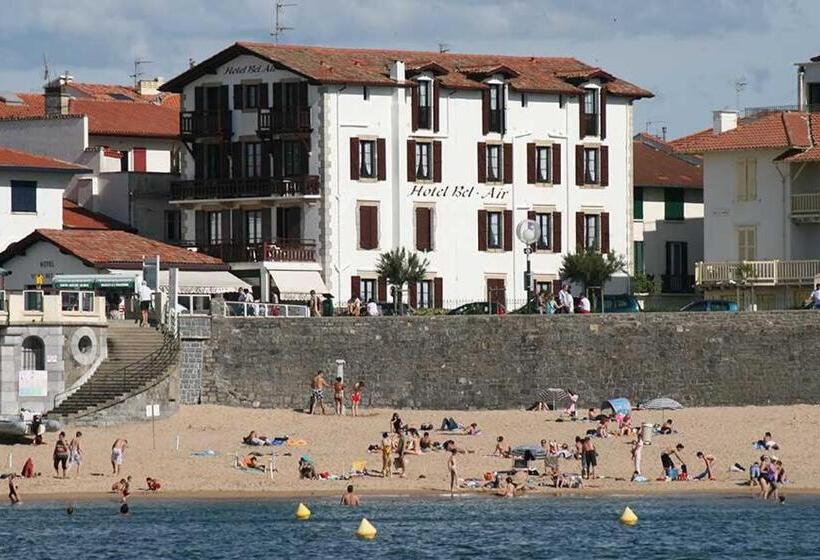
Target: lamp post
[(527, 233)]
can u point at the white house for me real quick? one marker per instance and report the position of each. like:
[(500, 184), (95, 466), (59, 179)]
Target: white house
[(761, 177), (308, 162)]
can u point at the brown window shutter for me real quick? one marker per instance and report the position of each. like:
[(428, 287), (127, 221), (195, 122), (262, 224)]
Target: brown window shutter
[(604, 166), (437, 161), (381, 159), (602, 101), (438, 293), (414, 110), (423, 229), (508, 163), (556, 232), (508, 227), (364, 227), (412, 298), (373, 234), (382, 289), (278, 96), (411, 160), (556, 287), (531, 215), (264, 102), (579, 231), (236, 160), (579, 164), (530, 163), (266, 160), (485, 111), (355, 286), (582, 129), (238, 102), (278, 169), (303, 94), (436, 105), (605, 232), (482, 162), (267, 224), (225, 234), (556, 164), (354, 159), (482, 230), (201, 227)]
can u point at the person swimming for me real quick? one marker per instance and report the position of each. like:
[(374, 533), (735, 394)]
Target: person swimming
[(349, 498)]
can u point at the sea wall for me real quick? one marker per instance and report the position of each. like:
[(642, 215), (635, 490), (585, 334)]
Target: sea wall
[(504, 362)]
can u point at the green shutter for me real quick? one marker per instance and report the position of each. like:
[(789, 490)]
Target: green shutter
[(673, 204), (639, 262), (638, 204)]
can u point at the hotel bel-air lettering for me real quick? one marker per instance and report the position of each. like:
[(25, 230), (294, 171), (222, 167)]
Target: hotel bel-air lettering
[(459, 191)]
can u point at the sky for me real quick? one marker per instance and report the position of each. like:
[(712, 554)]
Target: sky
[(689, 53)]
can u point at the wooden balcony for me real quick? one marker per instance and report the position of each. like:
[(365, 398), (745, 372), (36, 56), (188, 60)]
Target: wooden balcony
[(204, 124), (279, 122), (248, 187), (281, 250), (757, 273), (805, 207)]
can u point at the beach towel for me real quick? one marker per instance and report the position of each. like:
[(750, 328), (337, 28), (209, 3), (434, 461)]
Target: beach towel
[(204, 453), (296, 443)]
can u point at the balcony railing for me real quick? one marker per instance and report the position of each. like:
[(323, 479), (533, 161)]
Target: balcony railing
[(677, 283), (806, 205), (276, 122), (248, 187), (757, 273), (194, 124), (281, 250)]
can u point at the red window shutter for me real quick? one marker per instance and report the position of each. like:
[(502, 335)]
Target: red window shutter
[(412, 297), (423, 230), (556, 232), (508, 163), (508, 219), (414, 110), (531, 215), (482, 162), (582, 129), (436, 105), (485, 111), (381, 159), (579, 165), (438, 293), (355, 286), (354, 159), (605, 232), (382, 289), (604, 166), (602, 101), (411, 160), (437, 161), (140, 163), (579, 231), (237, 97), (556, 164), (530, 163), (482, 230)]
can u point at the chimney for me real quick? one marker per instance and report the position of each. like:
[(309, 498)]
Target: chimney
[(57, 96), (801, 88), (723, 121), (397, 71), (149, 87)]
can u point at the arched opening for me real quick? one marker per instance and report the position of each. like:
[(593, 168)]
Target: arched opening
[(34, 354)]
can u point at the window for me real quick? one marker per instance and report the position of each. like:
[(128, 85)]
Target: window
[(494, 230), (214, 228), (493, 163), (592, 231), (543, 222), (673, 204), (288, 222), (33, 300), (637, 204), (253, 226), (195, 304), (746, 180), (814, 97), (294, 160), (173, 225), (2, 300), (368, 289), (424, 294), (497, 108), (640, 267), (24, 196), (34, 354), (367, 159), (590, 166), (424, 164), (425, 103), (543, 286), (543, 163), (251, 96), (365, 93), (590, 115), (524, 99), (746, 243), (253, 159), (368, 227), (77, 301)]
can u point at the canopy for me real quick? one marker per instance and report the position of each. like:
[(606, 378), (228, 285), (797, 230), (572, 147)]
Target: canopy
[(618, 405), (92, 281), (203, 282), (661, 404), (295, 284)]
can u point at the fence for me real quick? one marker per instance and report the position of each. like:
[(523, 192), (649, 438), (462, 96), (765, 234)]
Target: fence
[(245, 309)]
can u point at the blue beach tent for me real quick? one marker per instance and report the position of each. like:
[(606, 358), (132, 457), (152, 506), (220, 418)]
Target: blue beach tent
[(619, 405)]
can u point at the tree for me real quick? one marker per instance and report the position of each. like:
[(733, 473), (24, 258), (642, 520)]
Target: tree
[(590, 268), (400, 267)]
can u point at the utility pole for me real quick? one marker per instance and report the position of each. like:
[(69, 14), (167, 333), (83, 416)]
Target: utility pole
[(278, 27), (137, 74), (443, 48)]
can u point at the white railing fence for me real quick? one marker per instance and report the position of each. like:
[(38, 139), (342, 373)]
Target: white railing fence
[(245, 309), (806, 203), (759, 273)]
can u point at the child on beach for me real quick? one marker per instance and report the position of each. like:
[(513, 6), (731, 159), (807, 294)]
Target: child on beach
[(707, 463), (339, 396), (356, 398), (13, 497)]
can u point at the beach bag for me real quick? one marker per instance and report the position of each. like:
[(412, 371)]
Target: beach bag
[(28, 469)]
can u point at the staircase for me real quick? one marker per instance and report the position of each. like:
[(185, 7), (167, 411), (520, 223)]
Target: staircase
[(138, 357)]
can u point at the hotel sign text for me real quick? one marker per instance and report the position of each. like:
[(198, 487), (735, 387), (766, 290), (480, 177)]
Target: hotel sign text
[(460, 191), (248, 69)]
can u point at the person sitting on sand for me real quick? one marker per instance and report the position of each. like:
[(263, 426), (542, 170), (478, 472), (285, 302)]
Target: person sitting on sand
[(509, 488), (666, 428), (153, 484), (591, 416), (254, 439), (472, 430), (252, 462), (14, 498), (412, 445), (349, 498), (500, 449), (450, 445), (603, 428), (767, 443), (558, 479), (306, 468), (708, 460), (625, 425), (426, 442)]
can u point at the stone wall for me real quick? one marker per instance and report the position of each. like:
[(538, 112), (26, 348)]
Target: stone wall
[(194, 333), (503, 362)]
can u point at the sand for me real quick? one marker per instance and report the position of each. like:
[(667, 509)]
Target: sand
[(335, 442)]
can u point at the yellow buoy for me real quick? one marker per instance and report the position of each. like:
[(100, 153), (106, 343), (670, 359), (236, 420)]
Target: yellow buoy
[(302, 512), (628, 517), (366, 530)]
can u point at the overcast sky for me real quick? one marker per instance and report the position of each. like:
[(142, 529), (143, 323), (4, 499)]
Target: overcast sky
[(690, 53)]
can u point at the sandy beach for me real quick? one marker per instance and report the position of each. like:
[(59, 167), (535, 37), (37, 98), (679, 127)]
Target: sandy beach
[(335, 442)]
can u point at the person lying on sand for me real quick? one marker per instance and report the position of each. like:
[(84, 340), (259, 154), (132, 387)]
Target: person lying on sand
[(252, 462), (472, 430), (767, 443)]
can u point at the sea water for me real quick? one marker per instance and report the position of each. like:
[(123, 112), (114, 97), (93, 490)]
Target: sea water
[(578, 527)]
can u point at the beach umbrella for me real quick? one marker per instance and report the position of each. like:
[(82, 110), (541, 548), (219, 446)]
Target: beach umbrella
[(553, 394), (662, 403)]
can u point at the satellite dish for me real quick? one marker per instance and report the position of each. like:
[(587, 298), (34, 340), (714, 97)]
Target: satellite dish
[(527, 232)]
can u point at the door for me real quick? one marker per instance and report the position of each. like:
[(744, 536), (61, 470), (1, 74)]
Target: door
[(288, 223), (676, 266), (140, 163), (496, 291)]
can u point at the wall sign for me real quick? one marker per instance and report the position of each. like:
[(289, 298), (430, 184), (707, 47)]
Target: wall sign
[(33, 383), (460, 191), (248, 69)]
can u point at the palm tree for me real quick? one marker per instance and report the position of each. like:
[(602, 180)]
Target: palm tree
[(400, 267)]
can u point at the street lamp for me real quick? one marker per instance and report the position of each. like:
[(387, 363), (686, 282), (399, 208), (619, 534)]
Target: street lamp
[(527, 233)]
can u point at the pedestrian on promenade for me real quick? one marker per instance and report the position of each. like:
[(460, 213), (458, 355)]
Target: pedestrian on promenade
[(317, 394), (815, 297), (146, 295), (314, 303), (565, 302)]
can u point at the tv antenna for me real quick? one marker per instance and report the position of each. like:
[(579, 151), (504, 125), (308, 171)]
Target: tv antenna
[(278, 28), (443, 48), (45, 68), (137, 74), (740, 86)]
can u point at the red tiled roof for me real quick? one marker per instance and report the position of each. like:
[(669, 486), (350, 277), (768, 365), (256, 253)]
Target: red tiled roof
[(771, 130), (77, 217), (114, 249), (656, 164), (372, 67), (18, 159)]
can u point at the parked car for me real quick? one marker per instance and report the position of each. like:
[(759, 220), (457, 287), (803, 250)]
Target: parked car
[(710, 305), (621, 303), (388, 308), (478, 308)]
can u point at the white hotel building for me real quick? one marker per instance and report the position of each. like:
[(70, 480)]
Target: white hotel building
[(305, 163)]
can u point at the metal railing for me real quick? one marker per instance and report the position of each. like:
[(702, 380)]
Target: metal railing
[(677, 283), (263, 310), (805, 204), (296, 119), (204, 123), (758, 273), (246, 187), (280, 250)]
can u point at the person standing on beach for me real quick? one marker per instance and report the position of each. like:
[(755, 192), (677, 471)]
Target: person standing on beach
[(339, 396), (356, 398), (453, 468), (349, 498), (317, 395), (75, 452), (13, 497), (590, 457), (707, 463), (61, 455), (387, 455), (118, 454), (637, 451), (667, 463)]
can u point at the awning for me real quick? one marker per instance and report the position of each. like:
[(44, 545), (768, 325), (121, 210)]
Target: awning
[(92, 281), (203, 281), (297, 284)]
